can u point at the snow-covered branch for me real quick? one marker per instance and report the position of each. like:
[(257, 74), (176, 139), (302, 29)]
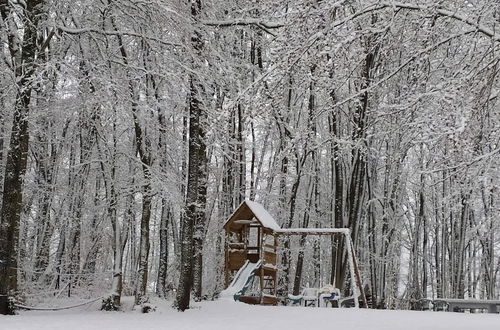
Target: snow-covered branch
[(447, 13), (379, 6), (76, 31), (266, 26), (398, 69), (244, 21)]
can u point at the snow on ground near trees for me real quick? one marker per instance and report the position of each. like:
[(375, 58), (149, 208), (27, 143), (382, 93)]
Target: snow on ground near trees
[(228, 315)]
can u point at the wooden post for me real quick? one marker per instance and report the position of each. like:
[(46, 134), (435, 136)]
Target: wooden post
[(226, 260), (261, 257), (276, 242), (350, 259), (358, 277)]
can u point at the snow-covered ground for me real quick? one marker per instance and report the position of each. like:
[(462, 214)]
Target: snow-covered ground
[(228, 315)]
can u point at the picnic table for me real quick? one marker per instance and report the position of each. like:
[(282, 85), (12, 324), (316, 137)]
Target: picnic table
[(455, 305)]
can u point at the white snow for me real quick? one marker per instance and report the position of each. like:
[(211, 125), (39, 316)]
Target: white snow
[(229, 315), (240, 279), (262, 215)]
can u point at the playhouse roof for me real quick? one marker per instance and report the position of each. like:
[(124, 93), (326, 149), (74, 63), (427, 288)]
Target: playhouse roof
[(247, 211)]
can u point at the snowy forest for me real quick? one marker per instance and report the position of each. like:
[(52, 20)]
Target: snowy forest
[(130, 130)]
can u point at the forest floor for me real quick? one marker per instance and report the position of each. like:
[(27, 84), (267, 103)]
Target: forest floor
[(228, 315)]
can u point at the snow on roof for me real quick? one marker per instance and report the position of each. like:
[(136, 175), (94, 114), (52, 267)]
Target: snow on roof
[(262, 215)]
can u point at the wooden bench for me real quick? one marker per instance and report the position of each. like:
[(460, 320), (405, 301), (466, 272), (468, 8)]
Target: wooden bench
[(455, 305)]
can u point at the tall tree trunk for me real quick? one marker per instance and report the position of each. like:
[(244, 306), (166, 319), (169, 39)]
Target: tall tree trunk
[(45, 228), (337, 209), (338, 205), (146, 162), (87, 138), (285, 135), (2, 143), (161, 287), (193, 227), (286, 259), (166, 210), (147, 198), (144, 243), (311, 125), (23, 56), (425, 237), (372, 246), (300, 257), (241, 157), (120, 227), (438, 248), (195, 202), (356, 188)]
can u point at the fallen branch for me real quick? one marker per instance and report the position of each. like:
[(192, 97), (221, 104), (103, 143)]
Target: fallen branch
[(55, 308)]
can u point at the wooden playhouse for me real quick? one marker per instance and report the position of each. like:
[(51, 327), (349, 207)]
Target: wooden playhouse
[(250, 253)]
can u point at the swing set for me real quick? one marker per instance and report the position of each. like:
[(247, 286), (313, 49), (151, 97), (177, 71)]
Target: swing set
[(252, 239)]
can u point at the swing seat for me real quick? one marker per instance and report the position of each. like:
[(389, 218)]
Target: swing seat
[(295, 300)]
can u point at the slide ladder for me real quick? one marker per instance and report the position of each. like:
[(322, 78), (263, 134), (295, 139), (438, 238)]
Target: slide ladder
[(242, 280)]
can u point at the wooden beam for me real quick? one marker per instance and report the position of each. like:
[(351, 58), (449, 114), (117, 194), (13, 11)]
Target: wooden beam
[(358, 278), (313, 231)]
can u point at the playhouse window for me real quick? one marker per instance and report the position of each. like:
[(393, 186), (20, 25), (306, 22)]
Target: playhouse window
[(269, 240), (253, 237)]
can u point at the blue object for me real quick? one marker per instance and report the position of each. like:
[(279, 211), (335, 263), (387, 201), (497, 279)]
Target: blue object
[(331, 296)]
